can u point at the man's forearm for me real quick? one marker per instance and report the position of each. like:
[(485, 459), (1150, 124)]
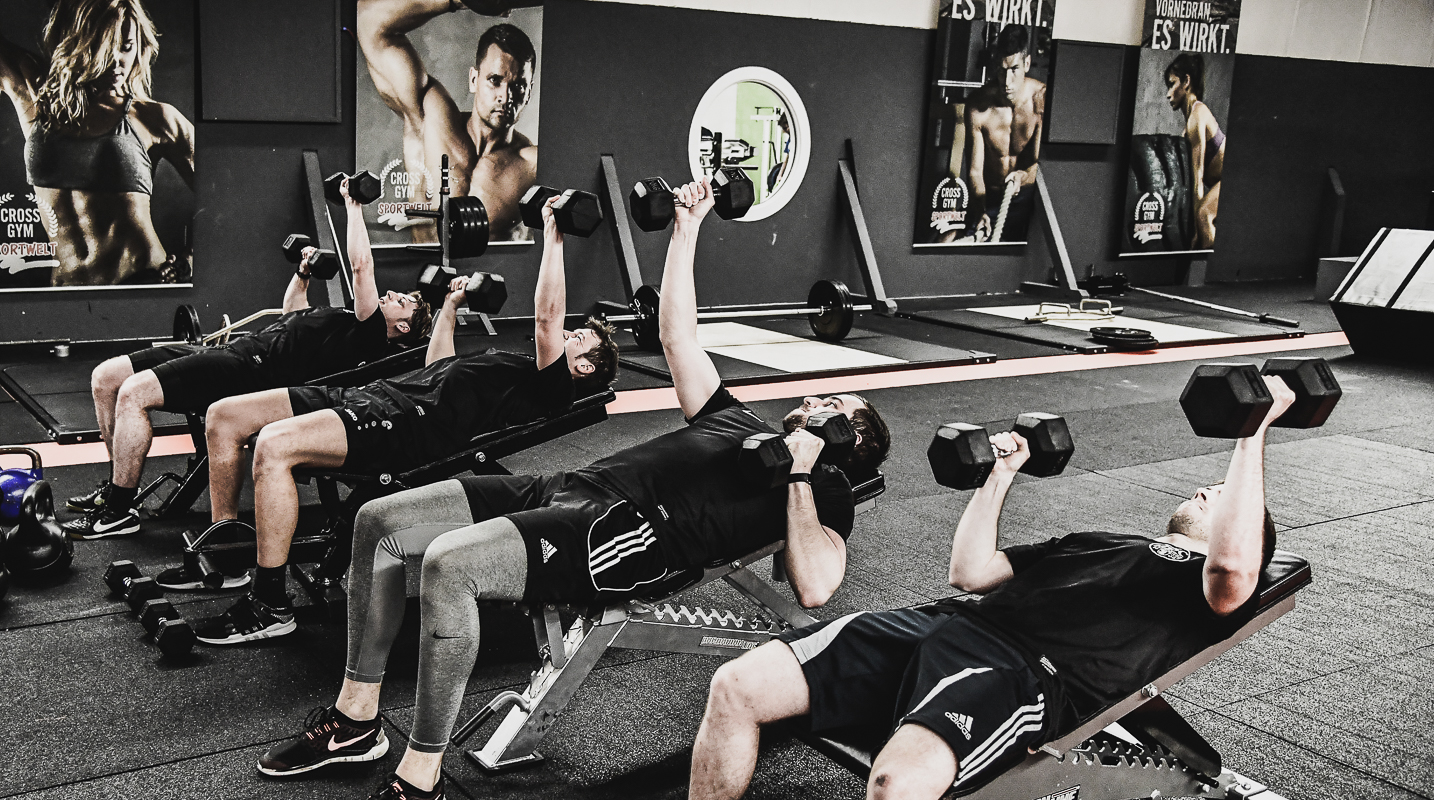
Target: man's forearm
[(973, 545), (815, 564), (296, 296), (1238, 519), (550, 299), (678, 306)]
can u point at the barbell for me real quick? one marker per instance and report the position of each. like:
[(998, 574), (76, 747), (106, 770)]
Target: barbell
[(829, 310)]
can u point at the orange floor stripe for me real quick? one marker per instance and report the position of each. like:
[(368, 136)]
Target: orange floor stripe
[(56, 455)]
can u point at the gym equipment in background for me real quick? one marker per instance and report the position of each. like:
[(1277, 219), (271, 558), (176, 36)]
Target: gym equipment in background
[(1386, 302), (829, 309), (36, 549), (15, 481)]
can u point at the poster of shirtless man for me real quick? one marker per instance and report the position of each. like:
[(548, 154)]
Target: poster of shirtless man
[(97, 160), (444, 77), (984, 122)]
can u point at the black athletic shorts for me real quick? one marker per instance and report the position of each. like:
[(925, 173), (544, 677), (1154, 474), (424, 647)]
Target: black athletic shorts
[(151, 357), (192, 382), (380, 434), (584, 542), (874, 671)]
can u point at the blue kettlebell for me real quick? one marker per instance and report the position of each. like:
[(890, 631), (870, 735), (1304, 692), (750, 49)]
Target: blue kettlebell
[(14, 482)]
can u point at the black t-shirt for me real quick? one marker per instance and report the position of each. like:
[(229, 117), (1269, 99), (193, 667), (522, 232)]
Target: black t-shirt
[(459, 397), (313, 342), (687, 484), (1110, 612)]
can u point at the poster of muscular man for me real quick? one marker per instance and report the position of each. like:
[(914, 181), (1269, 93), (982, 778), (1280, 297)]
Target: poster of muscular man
[(984, 121), (97, 160), (444, 77), (1177, 146)]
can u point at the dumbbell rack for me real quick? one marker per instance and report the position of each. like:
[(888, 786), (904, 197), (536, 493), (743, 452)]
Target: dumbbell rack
[(443, 217)]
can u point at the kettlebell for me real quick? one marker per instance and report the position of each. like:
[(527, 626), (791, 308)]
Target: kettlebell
[(14, 482), (37, 549)]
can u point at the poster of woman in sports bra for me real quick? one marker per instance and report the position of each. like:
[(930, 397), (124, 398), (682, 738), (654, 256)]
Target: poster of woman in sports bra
[(97, 162), (1177, 147)]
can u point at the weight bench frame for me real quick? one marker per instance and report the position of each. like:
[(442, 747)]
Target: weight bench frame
[(331, 548), (1136, 746), (568, 653)]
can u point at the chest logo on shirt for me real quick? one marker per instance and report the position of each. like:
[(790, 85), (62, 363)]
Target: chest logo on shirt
[(1169, 552)]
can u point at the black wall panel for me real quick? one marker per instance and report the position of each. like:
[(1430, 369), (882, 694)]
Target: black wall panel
[(295, 79), (1085, 93)]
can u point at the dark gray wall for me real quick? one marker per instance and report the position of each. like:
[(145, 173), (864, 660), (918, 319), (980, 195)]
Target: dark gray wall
[(626, 80)]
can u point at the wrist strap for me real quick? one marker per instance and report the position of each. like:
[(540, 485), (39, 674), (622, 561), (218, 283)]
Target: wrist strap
[(800, 477)]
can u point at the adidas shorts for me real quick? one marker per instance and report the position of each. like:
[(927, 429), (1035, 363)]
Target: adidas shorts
[(584, 543), (876, 671)]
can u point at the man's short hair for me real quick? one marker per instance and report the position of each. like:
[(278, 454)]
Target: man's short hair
[(1011, 40), (874, 446), (1267, 550), (603, 357), (1192, 66), (511, 40), (420, 324)]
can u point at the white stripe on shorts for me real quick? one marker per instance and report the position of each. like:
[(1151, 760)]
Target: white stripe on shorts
[(947, 681), (810, 647), (1025, 719)]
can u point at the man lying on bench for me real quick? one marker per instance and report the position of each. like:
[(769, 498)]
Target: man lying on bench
[(1065, 628), (303, 344), (602, 533), (391, 425)]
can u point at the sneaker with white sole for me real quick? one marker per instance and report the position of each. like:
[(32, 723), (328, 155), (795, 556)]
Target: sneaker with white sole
[(328, 738), (248, 620), (103, 522)]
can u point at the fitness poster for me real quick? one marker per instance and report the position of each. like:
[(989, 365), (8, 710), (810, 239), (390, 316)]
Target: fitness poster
[(1182, 110), (479, 107), (983, 124), (96, 144)]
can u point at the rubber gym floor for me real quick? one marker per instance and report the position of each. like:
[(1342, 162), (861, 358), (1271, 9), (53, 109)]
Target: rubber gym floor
[(1331, 700)]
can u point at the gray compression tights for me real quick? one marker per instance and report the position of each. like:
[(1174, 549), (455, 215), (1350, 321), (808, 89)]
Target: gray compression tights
[(463, 563)]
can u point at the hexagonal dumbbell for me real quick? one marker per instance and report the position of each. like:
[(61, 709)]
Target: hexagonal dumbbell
[(651, 199), (577, 213), (169, 629), (961, 455), (486, 292), (322, 265), (364, 187), (1229, 401), (132, 586), (767, 462)]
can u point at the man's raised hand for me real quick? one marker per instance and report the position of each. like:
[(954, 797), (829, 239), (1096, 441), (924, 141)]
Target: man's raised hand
[(1283, 394), (694, 200), (805, 448), (1011, 452)]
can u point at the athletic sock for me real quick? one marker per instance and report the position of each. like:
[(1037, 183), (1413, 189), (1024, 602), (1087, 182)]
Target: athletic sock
[(120, 496), (269, 586), (414, 793), (350, 721)]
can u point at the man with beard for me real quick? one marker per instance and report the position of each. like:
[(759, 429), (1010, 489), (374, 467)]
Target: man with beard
[(488, 158)]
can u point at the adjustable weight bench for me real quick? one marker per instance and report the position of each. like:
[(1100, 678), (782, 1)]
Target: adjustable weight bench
[(1139, 747), (569, 652), (330, 549)]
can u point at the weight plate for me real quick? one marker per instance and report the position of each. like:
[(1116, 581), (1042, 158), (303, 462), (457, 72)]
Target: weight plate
[(646, 300), (467, 221), (835, 319), (1122, 336), (186, 325)]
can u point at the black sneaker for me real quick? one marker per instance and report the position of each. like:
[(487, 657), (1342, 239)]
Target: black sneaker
[(327, 739), (182, 579), (247, 620), (396, 788), (103, 522), (91, 501)]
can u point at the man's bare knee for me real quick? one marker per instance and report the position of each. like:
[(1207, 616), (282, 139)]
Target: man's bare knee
[(915, 763), (273, 451), (729, 694), (107, 378), (137, 394)]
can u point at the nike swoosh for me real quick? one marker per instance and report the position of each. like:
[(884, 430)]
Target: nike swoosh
[(335, 744), (436, 636), (101, 527)]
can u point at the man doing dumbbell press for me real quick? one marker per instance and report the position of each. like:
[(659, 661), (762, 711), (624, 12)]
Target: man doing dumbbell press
[(608, 531), (303, 344), (956, 692), (392, 425)]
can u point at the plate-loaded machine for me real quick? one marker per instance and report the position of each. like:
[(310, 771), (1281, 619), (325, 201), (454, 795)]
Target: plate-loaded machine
[(1139, 747), (570, 651)]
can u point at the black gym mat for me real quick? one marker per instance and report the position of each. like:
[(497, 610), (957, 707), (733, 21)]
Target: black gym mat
[(958, 315), (913, 353), (68, 417)]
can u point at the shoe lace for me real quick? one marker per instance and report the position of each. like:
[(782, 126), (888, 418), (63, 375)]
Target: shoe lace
[(318, 723)]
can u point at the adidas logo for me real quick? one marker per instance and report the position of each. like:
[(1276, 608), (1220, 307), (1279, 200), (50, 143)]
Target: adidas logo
[(548, 549), (962, 723)]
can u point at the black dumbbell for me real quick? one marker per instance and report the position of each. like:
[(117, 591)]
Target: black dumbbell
[(324, 264), (364, 187), (170, 631), (961, 456), (576, 212), (1229, 401), (767, 462), (486, 292), (132, 586), (652, 199)]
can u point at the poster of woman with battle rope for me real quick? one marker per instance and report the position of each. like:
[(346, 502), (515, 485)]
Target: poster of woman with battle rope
[(97, 162), (1182, 109), (984, 122)]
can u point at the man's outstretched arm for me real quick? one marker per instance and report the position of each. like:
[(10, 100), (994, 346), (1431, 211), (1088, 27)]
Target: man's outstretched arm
[(1237, 522), (550, 301), (976, 564), (693, 373), (815, 556), (360, 257), (440, 341)]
